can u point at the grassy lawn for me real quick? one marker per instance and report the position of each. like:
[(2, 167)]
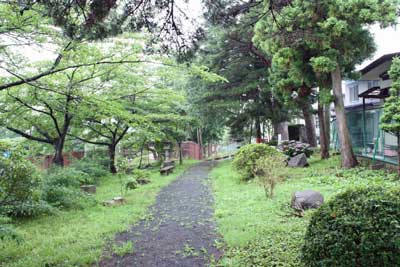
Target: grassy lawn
[(264, 232), (77, 237)]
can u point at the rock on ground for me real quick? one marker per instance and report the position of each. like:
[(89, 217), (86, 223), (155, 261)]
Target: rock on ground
[(298, 161), (308, 199)]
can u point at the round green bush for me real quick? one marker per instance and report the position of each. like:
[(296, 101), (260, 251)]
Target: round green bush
[(19, 184), (247, 156), (360, 227)]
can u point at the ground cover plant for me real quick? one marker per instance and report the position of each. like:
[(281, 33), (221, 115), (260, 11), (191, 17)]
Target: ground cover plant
[(77, 237), (260, 232)]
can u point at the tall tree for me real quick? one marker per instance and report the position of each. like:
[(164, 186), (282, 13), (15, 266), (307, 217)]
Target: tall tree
[(293, 79), (330, 28), (43, 111), (246, 101)]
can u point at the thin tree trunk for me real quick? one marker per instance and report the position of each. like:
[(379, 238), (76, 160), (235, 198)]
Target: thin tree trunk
[(322, 132), (346, 149), (111, 154), (251, 132), (141, 155), (200, 134), (327, 121), (309, 125), (258, 131), (180, 153)]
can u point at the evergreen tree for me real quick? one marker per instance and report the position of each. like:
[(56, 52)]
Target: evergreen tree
[(391, 111), (330, 29)]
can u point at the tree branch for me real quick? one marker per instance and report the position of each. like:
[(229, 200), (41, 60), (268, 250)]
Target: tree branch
[(28, 136)]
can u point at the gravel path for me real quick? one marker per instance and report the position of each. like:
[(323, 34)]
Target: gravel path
[(181, 230)]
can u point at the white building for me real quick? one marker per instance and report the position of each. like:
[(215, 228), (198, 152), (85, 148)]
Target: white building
[(363, 101)]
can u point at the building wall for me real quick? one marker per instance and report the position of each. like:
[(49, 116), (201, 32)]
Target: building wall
[(363, 86)]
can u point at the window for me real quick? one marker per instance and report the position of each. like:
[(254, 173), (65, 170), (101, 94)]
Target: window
[(354, 93), (372, 84)]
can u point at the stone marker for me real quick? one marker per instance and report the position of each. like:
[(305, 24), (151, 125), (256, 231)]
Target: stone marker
[(308, 199), (298, 161), (116, 201), (89, 189)]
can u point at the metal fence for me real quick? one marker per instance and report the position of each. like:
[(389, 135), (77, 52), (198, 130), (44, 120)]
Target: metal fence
[(367, 138)]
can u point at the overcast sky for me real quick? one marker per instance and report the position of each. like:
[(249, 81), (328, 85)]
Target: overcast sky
[(387, 40)]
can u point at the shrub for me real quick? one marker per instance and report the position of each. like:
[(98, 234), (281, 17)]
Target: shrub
[(140, 174), (270, 171), (357, 228), (247, 156), (7, 231), (131, 184), (92, 169), (294, 148), (19, 184), (61, 188), (98, 157)]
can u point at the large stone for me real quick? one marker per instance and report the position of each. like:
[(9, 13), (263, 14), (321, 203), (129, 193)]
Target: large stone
[(308, 199), (298, 161)]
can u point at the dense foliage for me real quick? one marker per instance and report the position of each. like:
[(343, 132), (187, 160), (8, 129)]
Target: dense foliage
[(313, 42), (93, 170), (359, 227), (61, 188), (19, 184), (246, 157)]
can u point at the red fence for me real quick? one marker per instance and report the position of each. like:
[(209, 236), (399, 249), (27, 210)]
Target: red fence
[(191, 150), (44, 162)]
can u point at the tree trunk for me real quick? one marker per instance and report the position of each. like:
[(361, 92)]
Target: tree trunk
[(58, 155), (258, 132), (141, 155), (346, 149), (111, 154), (251, 132), (180, 153), (200, 141), (309, 125), (322, 132), (327, 117)]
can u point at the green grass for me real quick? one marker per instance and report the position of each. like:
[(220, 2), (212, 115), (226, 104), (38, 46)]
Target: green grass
[(264, 232), (123, 249), (78, 237)]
